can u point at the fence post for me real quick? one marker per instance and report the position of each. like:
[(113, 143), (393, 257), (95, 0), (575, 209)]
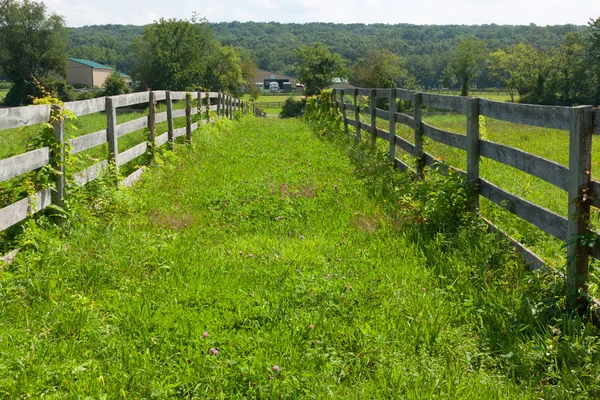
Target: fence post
[(170, 120), (188, 117), (473, 149), (230, 107), (207, 107), (219, 104), (373, 102), (111, 134), (392, 125), (357, 116), (580, 159), (152, 123), (344, 111), (419, 153), (58, 125)]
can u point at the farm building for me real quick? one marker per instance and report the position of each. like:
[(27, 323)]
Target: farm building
[(340, 83), (264, 79), (89, 73)]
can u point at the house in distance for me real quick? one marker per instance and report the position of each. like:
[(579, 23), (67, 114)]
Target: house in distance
[(89, 73)]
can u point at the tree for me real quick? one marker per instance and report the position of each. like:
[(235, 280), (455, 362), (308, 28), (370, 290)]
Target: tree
[(115, 85), (173, 54), (317, 67), (514, 68), (380, 69), (224, 72), (467, 62), (593, 46), (33, 46)]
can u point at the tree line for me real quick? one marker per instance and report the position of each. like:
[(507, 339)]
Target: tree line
[(547, 65)]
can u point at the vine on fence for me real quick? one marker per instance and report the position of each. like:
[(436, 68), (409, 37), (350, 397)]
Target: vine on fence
[(322, 113)]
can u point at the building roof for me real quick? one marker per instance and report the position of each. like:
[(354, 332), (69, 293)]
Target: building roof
[(261, 75), (89, 63)]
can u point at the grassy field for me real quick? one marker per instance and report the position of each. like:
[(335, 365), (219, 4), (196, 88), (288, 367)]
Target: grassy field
[(3, 93), (281, 266)]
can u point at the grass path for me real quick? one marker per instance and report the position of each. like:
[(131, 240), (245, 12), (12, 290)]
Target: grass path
[(290, 256)]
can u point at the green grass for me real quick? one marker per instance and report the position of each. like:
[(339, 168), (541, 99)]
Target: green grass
[(288, 249), (3, 93)]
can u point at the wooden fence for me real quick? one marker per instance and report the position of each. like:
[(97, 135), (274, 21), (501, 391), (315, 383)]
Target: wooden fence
[(575, 179), (223, 104)]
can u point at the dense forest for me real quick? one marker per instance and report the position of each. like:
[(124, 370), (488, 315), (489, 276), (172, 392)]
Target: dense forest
[(424, 49)]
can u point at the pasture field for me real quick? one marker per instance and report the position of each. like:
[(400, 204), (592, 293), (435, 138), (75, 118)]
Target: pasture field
[(3, 93), (265, 261)]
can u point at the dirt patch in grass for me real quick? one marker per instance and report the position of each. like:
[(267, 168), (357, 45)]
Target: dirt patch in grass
[(171, 220), (364, 223), (306, 191)]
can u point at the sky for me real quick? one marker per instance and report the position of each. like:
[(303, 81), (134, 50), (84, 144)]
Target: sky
[(437, 12)]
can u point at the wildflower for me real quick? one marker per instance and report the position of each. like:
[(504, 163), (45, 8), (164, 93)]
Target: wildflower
[(276, 368), (423, 289), (205, 335), (302, 237), (298, 271), (214, 351), (311, 326)]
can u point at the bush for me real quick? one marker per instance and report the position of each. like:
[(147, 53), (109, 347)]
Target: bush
[(115, 85), (293, 108)]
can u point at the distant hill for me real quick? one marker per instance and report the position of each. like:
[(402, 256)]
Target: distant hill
[(424, 48)]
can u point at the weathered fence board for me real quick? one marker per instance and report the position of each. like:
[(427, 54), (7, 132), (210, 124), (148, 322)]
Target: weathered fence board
[(85, 107), (162, 117), (595, 193), (17, 212), (133, 178), (542, 168), (162, 139), (178, 95), (90, 173), (596, 129), (405, 119), (401, 165), (546, 220), (532, 261), (542, 116), (364, 92), (194, 126), (383, 114), (160, 95), (88, 141), (382, 134), (133, 153), (179, 132), (23, 116), (451, 103), (23, 163), (383, 92), (178, 113), (406, 95), (406, 145), (130, 99), (132, 126), (445, 137)]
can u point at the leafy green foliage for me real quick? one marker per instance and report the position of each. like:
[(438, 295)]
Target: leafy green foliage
[(317, 67), (115, 85), (173, 54), (380, 69), (32, 47), (467, 62), (293, 108)]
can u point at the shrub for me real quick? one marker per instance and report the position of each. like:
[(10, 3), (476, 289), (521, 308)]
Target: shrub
[(293, 108), (115, 85)]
